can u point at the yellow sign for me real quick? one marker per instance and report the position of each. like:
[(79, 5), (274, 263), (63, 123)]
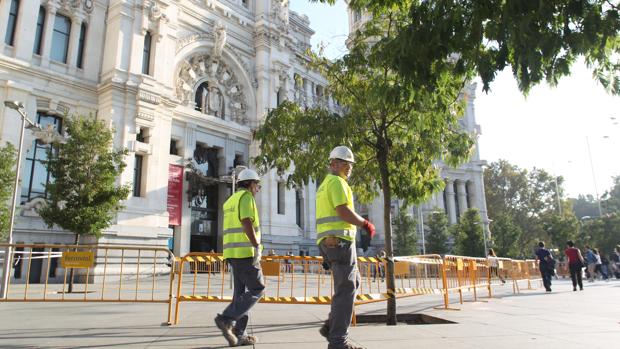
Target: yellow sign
[(77, 259), (459, 264)]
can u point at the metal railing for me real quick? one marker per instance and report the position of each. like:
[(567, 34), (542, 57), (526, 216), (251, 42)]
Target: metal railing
[(205, 277), (90, 273)]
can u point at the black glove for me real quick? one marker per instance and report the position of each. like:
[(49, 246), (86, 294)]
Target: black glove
[(325, 265)]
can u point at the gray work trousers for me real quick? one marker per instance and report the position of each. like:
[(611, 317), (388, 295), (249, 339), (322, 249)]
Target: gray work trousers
[(249, 286), (342, 261)]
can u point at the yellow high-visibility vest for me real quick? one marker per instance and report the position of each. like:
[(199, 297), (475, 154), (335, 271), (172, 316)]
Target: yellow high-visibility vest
[(328, 223), (236, 243)]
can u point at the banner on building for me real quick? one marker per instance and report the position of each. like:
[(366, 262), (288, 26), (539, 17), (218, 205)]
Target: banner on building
[(175, 194)]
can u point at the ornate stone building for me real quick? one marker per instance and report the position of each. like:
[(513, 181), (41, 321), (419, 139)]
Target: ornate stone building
[(182, 83)]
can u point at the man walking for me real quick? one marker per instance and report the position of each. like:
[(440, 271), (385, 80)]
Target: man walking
[(242, 250), (546, 265), (336, 223)]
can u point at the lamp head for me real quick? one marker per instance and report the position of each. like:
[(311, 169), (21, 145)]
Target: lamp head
[(16, 105)]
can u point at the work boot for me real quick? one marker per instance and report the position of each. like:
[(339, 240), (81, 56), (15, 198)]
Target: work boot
[(324, 330), (227, 329), (345, 345), (246, 340)]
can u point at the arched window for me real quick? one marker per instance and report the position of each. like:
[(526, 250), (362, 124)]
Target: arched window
[(146, 54)]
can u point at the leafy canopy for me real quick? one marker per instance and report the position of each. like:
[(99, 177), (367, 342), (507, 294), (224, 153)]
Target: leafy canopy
[(406, 238), (7, 181), (394, 130), (538, 39), (437, 234), (469, 240), (84, 196)]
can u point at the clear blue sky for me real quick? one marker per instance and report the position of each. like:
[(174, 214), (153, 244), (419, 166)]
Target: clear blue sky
[(548, 129)]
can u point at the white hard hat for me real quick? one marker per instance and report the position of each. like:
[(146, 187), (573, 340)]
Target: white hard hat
[(343, 153), (248, 175)]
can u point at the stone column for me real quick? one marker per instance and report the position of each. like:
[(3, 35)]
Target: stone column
[(50, 18), (439, 201), (461, 193), (450, 201), (182, 240), (25, 29), (74, 41)]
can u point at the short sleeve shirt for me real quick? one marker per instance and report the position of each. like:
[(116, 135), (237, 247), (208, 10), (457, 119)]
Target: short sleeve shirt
[(541, 253), (339, 192), (247, 208)]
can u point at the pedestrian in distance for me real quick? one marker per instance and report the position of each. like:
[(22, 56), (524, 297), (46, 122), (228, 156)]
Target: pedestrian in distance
[(242, 250), (336, 223), (494, 265), (546, 265), (615, 262), (590, 263), (598, 265), (575, 264)]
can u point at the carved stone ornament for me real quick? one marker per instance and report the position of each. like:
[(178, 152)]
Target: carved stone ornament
[(220, 39), (280, 12), (207, 79), (75, 7)]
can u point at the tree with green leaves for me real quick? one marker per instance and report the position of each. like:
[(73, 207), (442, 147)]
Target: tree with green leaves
[(559, 229), (584, 206), (405, 233), (437, 235), (84, 196), (523, 198), (505, 235), (7, 182), (610, 201), (395, 131), (469, 240), (538, 40), (602, 232)]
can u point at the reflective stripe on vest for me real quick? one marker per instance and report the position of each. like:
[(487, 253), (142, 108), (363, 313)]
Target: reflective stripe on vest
[(328, 223), (329, 220), (239, 230), (238, 244)]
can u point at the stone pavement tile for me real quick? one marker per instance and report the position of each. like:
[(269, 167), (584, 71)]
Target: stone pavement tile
[(414, 342)]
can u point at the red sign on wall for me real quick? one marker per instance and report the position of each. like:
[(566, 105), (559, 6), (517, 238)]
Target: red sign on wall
[(175, 194)]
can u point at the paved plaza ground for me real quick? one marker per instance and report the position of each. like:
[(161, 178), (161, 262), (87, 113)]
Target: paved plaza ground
[(532, 319)]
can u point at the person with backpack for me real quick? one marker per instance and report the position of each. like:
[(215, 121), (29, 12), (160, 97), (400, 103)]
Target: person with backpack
[(546, 265)]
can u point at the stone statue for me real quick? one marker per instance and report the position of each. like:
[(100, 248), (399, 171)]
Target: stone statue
[(220, 40), (212, 101), (154, 12), (282, 11)]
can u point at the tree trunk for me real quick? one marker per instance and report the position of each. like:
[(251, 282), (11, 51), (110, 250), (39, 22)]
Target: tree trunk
[(387, 225), (71, 273)]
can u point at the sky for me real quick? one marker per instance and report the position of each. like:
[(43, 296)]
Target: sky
[(550, 128)]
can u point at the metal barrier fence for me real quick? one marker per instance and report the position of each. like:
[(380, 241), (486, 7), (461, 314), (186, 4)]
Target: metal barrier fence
[(118, 273), (205, 277), (89, 273)]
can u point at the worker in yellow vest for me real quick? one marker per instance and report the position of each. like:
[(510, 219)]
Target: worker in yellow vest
[(242, 250), (336, 224)]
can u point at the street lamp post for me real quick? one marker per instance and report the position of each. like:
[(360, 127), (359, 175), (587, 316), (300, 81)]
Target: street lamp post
[(19, 107), (598, 200)]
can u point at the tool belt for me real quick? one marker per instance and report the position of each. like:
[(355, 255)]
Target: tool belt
[(331, 241)]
